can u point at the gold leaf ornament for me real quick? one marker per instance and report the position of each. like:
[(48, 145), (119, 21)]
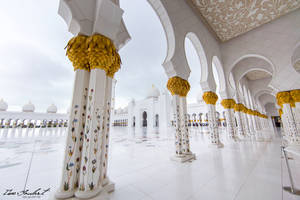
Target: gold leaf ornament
[(102, 54), (228, 103), (178, 86), (210, 97), (238, 107), (77, 52), (284, 98), (295, 95)]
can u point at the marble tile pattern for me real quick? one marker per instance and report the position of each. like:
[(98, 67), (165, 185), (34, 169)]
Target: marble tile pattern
[(232, 18), (139, 164)]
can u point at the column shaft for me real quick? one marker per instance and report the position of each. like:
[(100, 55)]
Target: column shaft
[(290, 125), (178, 126), (71, 166), (213, 126), (246, 124), (89, 183), (104, 157), (297, 116), (240, 128)]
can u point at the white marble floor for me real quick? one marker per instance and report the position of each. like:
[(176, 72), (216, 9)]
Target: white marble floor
[(140, 166)]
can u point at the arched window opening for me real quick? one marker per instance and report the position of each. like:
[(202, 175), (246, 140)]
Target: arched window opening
[(144, 120), (195, 67), (156, 120)]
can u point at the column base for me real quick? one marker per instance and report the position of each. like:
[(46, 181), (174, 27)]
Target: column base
[(184, 157), (243, 138), (258, 138), (109, 186), (233, 139), (89, 194), (63, 194), (216, 146)]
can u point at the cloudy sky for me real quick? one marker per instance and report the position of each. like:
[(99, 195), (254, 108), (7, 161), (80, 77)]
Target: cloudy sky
[(33, 66)]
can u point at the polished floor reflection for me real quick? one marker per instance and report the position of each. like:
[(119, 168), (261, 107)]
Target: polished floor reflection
[(140, 166)]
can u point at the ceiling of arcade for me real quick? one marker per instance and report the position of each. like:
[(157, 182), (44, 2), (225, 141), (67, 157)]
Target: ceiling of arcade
[(229, 19), (257, 74)]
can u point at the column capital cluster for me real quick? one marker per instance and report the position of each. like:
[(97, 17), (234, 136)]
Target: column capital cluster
[(178, 86), (210, 97), (228, 103), (295, 95), (91, 52), (239, 107), (284, 98), (77, 52)]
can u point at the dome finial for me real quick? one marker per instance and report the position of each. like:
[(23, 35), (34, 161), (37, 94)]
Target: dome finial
[(28, 107), (52, 108), (153, 92)]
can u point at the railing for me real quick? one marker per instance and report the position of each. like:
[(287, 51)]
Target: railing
[(29, 133)]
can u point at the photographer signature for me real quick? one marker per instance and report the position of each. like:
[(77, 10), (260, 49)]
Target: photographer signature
[(26, 192)]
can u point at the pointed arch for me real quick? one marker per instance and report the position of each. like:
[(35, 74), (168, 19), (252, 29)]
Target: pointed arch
[(201, 55), (222, 81)]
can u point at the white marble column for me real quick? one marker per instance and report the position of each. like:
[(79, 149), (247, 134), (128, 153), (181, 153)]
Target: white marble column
[(297, 116), (178, 128), (251, 123), (74, 140), (228, 105), (246, 124), (179, 88), (185, 128), (210, 99), (229, 121), (106, 183), (295, 94), (89, 181), (284, 99), (290, 124), (258, 126), (238, 115)]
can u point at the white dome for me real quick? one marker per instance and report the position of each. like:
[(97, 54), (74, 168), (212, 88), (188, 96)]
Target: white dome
[(199, 97), (153, 92), (132, 101), (28, 107), (3, 105), (52, 109)]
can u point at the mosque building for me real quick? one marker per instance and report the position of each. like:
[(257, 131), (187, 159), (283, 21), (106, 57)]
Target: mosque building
[(254, 47), (156, 112)]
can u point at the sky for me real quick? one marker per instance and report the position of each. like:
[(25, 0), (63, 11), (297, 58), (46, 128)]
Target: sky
[(33, 65)]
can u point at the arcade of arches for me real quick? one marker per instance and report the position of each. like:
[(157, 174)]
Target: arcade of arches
[(256, 56)]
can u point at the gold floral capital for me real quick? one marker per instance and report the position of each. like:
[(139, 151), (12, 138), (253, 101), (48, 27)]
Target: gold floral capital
[(238, 107), (102, 54), (280, 112), (77, 52), (295, 95), (293, 105), (210, 97), (283, 98), (178, 86), (228, 103), (245, 110), (249, 112)]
